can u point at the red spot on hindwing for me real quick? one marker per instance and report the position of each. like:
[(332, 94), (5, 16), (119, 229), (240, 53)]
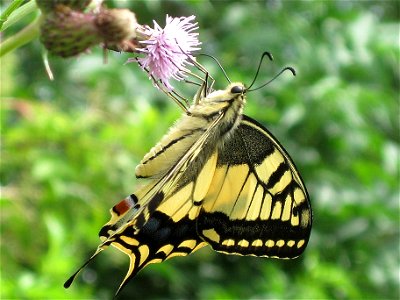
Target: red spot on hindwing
[(123, 206)]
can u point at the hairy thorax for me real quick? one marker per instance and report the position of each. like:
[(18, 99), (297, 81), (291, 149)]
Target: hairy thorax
[(213, 118)]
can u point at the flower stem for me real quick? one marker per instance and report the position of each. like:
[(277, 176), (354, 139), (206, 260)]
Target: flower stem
[(23, 37)]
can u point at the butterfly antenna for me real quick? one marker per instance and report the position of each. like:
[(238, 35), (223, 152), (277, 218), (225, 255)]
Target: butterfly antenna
[(68, 283), (219, 65), (293, 71), (271, 58)]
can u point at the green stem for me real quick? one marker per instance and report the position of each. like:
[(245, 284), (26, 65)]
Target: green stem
[(23, 37), (14, 13), (13, 6)]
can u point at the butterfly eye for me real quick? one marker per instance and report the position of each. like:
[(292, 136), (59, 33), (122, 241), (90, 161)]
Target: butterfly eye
[(237, 89)]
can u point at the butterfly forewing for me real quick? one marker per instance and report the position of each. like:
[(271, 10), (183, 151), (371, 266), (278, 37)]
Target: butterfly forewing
[(257, 204)]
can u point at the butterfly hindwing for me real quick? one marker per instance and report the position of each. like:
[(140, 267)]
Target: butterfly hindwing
[(170, 229), (160, 238), (257, 203)]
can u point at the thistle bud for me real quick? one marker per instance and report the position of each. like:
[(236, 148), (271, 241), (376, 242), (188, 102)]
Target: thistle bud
[(66, 32), (116, 25)]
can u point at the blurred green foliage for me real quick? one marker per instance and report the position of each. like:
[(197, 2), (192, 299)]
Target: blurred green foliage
[(70, 146)]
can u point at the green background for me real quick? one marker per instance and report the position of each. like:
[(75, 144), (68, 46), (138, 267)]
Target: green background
[(70, 146)]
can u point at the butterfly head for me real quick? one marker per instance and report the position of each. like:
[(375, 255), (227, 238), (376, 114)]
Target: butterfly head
[(237, 92), (237, 89)]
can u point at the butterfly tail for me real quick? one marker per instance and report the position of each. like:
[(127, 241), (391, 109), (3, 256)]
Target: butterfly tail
[(70, 280), (132, 271)]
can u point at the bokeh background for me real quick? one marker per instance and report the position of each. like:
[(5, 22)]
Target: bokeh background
[(70, 146)]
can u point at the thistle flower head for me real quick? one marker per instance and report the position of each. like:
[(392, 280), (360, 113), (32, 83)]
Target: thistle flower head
[(168, 50)]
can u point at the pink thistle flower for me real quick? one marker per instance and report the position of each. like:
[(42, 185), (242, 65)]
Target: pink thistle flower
[(168, 50)]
